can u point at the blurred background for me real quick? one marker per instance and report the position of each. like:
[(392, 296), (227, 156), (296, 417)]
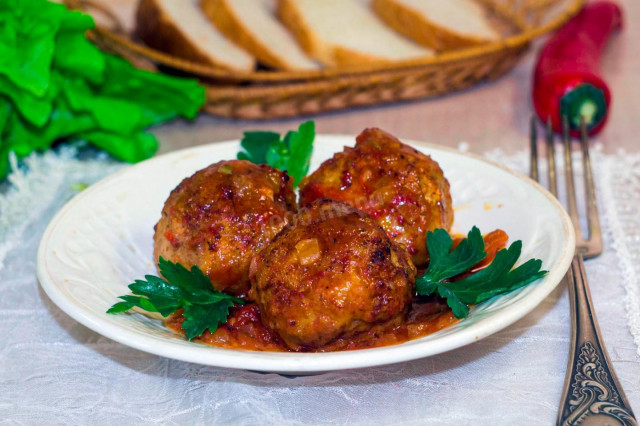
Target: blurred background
[(490, 114)]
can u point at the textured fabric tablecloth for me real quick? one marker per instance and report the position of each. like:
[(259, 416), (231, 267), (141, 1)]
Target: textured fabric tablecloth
[(54, 370)]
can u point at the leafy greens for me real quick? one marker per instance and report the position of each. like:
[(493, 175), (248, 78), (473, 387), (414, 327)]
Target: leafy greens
[(55, 84), (191, 290), (497, 278), (291, 154)]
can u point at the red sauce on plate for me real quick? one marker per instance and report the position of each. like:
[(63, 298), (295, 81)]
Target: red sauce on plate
[(244, 329)]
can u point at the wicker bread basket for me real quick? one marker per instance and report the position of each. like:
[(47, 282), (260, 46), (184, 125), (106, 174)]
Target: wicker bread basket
[(271, 94)]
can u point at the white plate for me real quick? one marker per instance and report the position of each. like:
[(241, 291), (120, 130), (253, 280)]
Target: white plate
[(102, 240)]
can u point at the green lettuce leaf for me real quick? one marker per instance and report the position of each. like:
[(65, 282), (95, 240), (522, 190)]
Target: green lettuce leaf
[(60, 86)]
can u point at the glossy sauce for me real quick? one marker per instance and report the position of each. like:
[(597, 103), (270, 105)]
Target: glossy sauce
[(244, 329)]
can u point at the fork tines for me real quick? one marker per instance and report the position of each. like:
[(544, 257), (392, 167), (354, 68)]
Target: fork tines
[(591, 245)]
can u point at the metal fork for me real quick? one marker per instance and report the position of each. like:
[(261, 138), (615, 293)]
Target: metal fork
[(592, 393)]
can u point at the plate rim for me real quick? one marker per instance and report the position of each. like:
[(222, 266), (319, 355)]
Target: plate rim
[(292, 363)]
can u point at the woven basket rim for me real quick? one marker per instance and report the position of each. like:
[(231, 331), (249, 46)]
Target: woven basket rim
[(510, 43)]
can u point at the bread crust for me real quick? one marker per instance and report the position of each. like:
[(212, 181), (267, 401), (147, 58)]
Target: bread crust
[(329, 55), (292, 19), (414, 25), (222, 15), (158, 30)]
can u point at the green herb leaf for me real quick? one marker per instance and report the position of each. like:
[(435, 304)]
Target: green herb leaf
[(59, 85), (120, 307), (194, 285), (445, 263), (191, 290), (300, 145), (497, 278), (202, 317), (291, 154), (140, 302), (459, 309), (256, 145), (166, 298)]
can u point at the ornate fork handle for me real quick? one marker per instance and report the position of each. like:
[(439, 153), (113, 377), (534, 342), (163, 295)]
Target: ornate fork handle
[(592, 393)]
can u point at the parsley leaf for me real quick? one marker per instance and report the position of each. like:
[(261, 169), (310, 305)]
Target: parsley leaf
[(291, 154), (445, 263), (497, 278), (204, 307), (198, 318), (256, 145), (300, 145), (120, 307)]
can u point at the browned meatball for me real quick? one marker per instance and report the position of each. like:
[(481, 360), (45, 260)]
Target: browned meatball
[(332, 272), (221, 216), (402, 189)]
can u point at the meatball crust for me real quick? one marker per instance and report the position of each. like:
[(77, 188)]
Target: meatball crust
[(401, 188), (332, 272), (221, 216)]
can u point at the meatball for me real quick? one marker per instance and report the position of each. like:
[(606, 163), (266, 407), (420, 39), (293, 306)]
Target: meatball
[(221, 216), (402, 189), (332, 272)]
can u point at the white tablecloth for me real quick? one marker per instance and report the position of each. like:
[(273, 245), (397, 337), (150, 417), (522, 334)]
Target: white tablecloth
[(54, 370)]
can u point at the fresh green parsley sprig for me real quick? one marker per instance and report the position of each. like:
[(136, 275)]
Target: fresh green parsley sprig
[(497, 278), (291, 154), (191, 290)]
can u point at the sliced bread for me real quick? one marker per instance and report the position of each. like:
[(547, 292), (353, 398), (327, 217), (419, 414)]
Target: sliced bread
[(439, 24), (253, 25), (345, 32), (178, 27)]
